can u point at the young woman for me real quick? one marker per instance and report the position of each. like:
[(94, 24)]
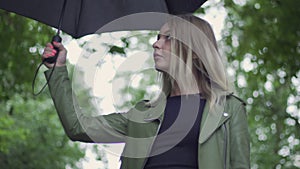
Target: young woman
[(195, 123)]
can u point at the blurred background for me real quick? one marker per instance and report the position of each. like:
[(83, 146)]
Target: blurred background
[(260, 39)]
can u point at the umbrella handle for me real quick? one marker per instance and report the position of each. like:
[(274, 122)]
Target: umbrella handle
[(55, 38)]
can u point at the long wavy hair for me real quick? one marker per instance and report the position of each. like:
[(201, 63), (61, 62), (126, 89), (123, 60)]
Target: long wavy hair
[(196, 64)]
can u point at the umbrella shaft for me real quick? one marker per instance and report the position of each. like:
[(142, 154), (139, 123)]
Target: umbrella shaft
[(62, 13)]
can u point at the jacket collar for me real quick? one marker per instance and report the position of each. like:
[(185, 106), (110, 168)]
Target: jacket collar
[(212, 120)]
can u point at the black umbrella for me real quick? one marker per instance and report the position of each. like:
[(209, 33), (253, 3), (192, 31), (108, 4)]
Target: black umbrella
[(81, 17)]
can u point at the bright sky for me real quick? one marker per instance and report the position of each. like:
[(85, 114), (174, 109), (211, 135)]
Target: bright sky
[(215, 16)]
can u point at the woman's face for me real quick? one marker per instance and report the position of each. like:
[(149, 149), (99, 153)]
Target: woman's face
[(162, 49)]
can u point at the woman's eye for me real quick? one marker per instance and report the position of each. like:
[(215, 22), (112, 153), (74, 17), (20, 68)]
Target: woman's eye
[(168, 37)]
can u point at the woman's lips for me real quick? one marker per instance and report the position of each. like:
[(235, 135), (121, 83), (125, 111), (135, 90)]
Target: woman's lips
[(156, 55)]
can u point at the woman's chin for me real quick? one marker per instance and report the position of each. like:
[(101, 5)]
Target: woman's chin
[(159, 69)]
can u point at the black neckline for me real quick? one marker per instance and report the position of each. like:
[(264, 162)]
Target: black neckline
[(186, 95)]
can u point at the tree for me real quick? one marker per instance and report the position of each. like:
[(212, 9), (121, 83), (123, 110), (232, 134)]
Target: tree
[(261, 41), (31, 135)]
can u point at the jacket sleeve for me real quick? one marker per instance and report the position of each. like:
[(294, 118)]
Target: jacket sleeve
[(78, 126), (239, 139)]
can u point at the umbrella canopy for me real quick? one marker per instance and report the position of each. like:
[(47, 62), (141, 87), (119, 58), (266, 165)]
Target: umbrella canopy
[(82, 17)]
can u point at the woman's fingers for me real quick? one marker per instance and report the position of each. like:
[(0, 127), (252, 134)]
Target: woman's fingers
[(51, 50), (48, 52), (61, 48)]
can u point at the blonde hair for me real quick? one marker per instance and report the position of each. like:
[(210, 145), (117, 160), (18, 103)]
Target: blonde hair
[(197, 62)]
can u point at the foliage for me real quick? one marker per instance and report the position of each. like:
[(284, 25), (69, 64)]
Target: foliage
[(261, 40), (31, 135)]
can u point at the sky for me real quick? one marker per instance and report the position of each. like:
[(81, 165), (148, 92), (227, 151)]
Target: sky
[(214, 15)]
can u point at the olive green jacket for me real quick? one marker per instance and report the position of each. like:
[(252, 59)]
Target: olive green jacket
[(224, 141)]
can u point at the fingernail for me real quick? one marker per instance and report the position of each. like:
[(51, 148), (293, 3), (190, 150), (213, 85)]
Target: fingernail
[(53, 51)]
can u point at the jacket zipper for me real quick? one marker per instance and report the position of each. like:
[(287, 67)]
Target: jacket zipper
[(225, 145), (146, 158)]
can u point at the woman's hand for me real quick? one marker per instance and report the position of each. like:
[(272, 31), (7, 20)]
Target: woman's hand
[(49, 51)]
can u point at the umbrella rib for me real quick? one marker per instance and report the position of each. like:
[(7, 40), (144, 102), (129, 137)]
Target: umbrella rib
[(78, 19)]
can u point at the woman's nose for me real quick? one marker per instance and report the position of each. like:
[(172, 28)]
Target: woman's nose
[(155, 44)]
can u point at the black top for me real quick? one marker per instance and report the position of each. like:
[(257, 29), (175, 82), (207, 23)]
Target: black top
[(176, 145)]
